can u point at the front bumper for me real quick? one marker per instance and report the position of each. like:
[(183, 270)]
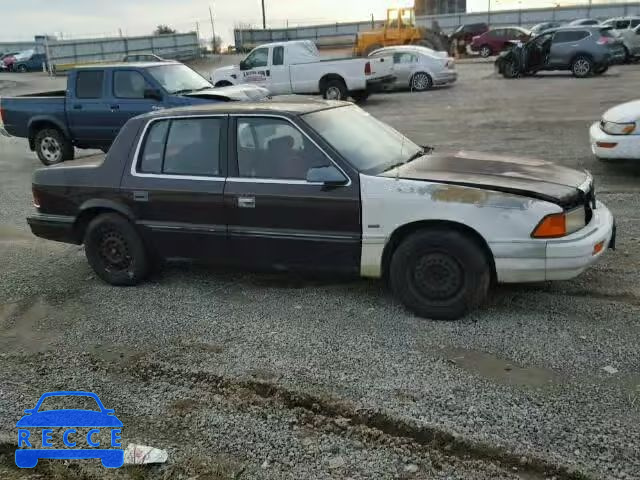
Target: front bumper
[(379, 84), (604, 145), (557, 259), (59, 228)]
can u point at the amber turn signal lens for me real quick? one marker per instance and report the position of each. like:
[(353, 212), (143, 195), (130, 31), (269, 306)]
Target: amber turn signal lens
[(554, 225), (598, 248), (606, 144)]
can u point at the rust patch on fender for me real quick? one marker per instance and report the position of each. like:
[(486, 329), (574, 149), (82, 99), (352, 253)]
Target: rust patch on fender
[(454, 193)]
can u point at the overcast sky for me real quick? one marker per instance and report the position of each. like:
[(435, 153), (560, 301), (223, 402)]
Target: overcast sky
[(22, 19)]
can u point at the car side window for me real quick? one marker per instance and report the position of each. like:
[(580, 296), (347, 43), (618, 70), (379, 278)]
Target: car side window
[(193, 147), (499, 33), (622, 24), (635, 23), (128, 84), (570, 36), (278, 56), (259, 58), (189, 147), (89, 84), (273, 148), (404, 57)]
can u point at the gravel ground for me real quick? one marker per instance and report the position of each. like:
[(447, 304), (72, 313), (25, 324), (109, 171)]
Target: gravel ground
[(269, 376)]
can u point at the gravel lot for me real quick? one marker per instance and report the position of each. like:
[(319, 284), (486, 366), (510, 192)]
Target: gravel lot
[(240, 375)]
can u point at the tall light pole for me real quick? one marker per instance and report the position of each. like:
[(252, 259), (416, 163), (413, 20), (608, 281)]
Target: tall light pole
[(489, 14), (213, 31), (264, 17)]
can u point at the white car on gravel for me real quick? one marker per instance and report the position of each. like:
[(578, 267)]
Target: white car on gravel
[(617, 134)]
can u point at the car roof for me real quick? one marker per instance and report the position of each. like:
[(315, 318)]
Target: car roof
[(291, 108), (128, 65), (404, 48)]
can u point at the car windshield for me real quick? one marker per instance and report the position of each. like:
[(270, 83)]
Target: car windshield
[(68, 402), (178, 78), (367, 144)]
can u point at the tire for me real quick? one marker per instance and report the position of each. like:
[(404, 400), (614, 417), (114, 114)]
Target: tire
[(335, 90), (486, 51), (52, 146), (22, 68), (115, 250), (421, 82), (627, 55), (360, 96), (223, 83), (582, 66), (440, 274), (509, 70)]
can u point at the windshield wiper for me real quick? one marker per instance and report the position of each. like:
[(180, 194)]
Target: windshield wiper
[(184, 90)]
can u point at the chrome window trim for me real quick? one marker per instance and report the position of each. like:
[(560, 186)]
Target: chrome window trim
[(136, 155), (143, 136), (283, 181)]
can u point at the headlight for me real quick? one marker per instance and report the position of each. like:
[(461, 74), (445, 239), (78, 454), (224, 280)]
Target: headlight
[(613, 128), (560, 224)]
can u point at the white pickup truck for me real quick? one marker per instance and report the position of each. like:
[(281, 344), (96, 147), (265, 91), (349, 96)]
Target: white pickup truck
[(297, 67)]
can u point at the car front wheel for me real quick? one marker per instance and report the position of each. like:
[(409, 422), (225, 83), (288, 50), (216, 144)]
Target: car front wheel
[(52, 146), (440, 273), (486, 51), (115, 250)]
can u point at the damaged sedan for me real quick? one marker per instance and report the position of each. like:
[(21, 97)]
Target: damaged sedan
[(584, 51), (321, 186)]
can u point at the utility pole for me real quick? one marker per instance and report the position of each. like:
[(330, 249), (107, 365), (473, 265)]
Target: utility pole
[(589, 12), (489, 14), (213, 31), (264, 17)]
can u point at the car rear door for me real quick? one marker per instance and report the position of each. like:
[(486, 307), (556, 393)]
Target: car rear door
[(277, 219), (174, 184), (87, 108), (404, 66), (563, 47)]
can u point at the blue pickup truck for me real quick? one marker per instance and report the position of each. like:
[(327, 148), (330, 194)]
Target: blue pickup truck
[(99, 100)]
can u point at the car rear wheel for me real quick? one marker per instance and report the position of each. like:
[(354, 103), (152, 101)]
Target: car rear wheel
[(223, 83), (335, 90), (510, 70), (421, 81), (115, 250), (582, 67), (22, 68), (52, 146), (440, 274), (486, 51)]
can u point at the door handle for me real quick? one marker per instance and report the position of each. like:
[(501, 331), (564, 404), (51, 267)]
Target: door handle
[(77, 107), (268, 73), (114, 107), (141, 196), (246, 202)]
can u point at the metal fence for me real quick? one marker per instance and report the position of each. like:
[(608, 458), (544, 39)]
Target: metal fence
[(67, 53), (344, 34)]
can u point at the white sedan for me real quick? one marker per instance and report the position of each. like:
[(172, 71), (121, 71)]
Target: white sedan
[(617, 135), (417, 67)]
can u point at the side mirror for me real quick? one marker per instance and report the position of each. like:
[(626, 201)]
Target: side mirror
[(243, 65), (152, 94), (329, 176)]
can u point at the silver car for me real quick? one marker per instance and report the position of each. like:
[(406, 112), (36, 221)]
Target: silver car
[(419, 68)]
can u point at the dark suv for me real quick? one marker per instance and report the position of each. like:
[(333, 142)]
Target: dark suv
[(582, 50)]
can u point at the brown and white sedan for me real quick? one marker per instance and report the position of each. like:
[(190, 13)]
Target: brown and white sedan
[(319, 185)]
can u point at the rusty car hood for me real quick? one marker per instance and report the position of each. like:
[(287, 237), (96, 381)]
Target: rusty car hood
[(518, 175)]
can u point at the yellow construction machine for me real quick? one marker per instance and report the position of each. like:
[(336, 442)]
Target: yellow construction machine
[(399, 29)]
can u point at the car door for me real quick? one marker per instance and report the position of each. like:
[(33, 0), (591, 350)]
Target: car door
[(255, 68), (87, 108), (130, 97), (280, 80), (563, 46), (404, 65), (278, 219), (633, 40), (175, 183), (496, 39)]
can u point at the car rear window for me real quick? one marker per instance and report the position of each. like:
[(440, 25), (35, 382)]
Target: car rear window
[(89, 84), (570, 36)]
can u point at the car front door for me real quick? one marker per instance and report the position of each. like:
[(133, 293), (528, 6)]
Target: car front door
[(280, 81), (175, 185), (130, 97), (87, 108), (277, 218), (255, 68)]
